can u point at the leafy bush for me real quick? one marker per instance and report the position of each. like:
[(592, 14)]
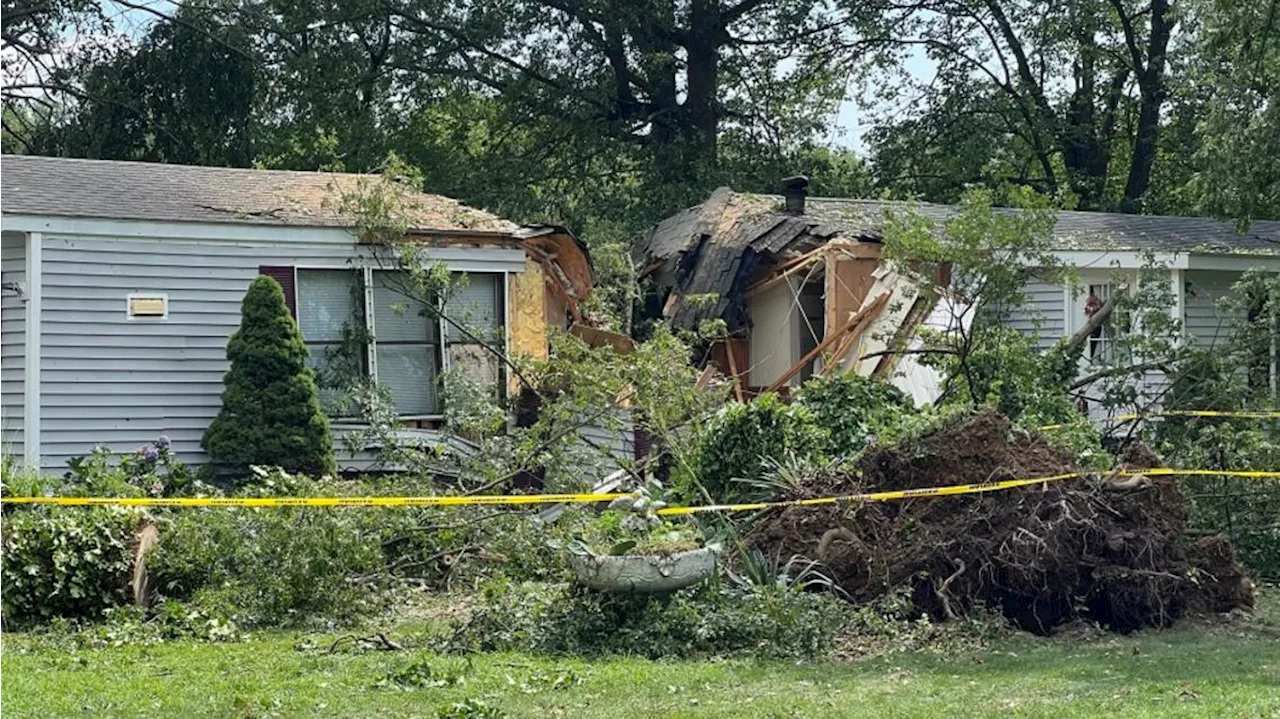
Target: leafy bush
[(741, 438), (73, 562), (852, 409), (153, 469), (276, 566), (704, 620), (270, 408)]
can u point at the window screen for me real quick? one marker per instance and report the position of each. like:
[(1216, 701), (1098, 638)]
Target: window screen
[(478, 307), (406, 345), (328, 304)]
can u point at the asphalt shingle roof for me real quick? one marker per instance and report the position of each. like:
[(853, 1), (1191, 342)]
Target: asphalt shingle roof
[(47, 186), (1075, 230)]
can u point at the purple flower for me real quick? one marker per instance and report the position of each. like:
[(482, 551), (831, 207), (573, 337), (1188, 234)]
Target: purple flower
[(149, 453), (163, 441)]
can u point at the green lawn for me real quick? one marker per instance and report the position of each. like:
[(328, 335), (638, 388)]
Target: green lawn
[(1226, 670)]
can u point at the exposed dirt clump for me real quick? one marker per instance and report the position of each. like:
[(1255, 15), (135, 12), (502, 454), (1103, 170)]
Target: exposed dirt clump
[(1109, 549)]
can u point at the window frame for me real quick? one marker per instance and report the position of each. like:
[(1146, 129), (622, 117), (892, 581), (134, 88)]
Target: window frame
[(364, 361), (370, 360)]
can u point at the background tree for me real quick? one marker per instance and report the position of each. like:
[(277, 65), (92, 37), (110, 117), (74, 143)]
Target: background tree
[(1073, 94), (270, 409), (34, 60)]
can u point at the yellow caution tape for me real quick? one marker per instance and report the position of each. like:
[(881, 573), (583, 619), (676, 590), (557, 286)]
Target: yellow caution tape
[(956, 490), (1171, 413), (1166, 471), (872, 496), (449, 501), (518, 499)]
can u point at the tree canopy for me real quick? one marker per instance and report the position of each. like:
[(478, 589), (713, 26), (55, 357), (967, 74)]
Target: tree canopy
[(607, 115)]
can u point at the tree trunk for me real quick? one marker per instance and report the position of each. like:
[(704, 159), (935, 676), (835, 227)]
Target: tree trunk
[(1086, 136), (1152, 96), (706, 34)]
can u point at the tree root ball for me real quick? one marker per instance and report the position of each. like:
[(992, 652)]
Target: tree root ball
[(1043, 555)]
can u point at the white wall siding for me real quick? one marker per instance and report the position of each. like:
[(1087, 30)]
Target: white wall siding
[(1042, 315), (1207, 324), (108, 379), (12, 342)]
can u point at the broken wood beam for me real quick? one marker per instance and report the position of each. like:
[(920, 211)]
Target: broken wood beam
[(803, 262), (856, 324)]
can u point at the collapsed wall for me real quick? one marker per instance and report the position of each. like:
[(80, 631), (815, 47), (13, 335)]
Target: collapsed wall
[(1113, 551)]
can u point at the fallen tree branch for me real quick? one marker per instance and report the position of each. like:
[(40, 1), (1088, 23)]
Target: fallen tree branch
[(936, 351), (379, 641), (941, 591), (1113, 371), (1082, 335)]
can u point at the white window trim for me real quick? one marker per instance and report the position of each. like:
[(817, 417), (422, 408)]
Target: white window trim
[(370, 322)]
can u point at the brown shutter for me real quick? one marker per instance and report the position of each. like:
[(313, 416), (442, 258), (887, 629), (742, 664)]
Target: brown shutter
[(283, 275)]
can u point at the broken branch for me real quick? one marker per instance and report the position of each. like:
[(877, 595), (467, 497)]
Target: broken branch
[(1082, 335)]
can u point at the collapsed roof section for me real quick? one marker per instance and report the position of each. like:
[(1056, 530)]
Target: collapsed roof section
[(704, 259), (802, 294)]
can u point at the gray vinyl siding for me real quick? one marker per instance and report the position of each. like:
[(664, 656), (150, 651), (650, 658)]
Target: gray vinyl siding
[(108, 379), (1206, 324), (603, 445), (13, 332), (1042, 315)]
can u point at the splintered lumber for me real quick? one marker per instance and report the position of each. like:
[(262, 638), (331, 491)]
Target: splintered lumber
[(857, 324), (848, 281), (800, 263)]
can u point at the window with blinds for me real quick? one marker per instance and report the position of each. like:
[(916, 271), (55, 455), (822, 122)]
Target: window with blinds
[(475, 309), (406, 345), (330, 307), (403, 345)]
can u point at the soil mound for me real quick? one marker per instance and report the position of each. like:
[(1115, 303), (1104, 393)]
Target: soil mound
[(1102, 548)]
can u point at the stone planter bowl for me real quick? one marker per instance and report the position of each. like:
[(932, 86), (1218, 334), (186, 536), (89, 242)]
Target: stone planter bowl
[(643, 574)]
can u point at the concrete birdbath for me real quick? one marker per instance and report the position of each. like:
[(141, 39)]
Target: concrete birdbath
[(664, 563), (643, 573)]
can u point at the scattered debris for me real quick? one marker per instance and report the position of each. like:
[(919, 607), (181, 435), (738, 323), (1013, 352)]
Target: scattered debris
[(800, 295)]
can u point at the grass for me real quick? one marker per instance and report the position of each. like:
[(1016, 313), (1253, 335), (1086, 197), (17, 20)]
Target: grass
[(1206, 670)]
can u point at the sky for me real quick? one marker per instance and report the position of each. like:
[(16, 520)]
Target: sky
[(852, 121)]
